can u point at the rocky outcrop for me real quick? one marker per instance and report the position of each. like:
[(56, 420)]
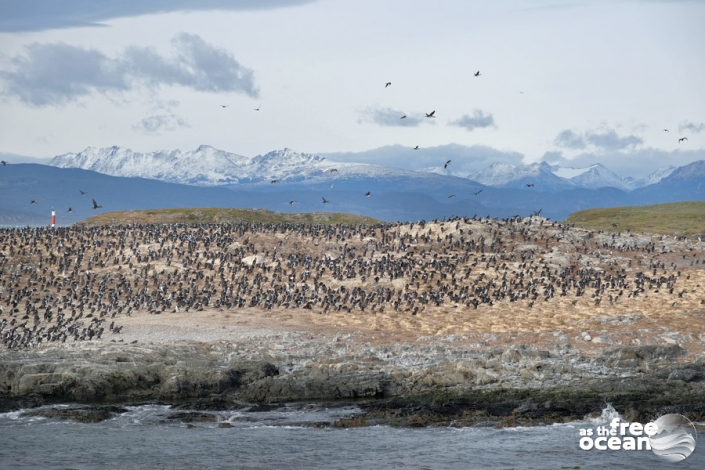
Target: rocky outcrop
[(405, 384)]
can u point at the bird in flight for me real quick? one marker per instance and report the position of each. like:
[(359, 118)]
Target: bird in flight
[(451, 196), (403, 117), (70, 210), (431, 114), (331, 185), (325, 201), (274, 181), (538, 212), (368, 194), (665, 130), (478, 192), (333, 170), (33, 202), (416, 148), (95, 205), (446, 165), (3, 162), (257, 108), (530, 185), (224, 105), (477, 74), (682, 139), (387, 84), (82, 192), (291, 203)]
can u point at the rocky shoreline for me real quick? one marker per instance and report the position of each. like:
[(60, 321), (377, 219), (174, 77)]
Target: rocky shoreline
[(438, 383)]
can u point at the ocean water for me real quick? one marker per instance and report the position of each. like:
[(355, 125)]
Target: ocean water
[(143, 438)]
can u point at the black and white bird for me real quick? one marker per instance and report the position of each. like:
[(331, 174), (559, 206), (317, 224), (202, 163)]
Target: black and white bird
[(291, 203), (416, 148), (431, 114), (477, 74), (95, 205), (446, 165), (3, 162), (33, 201), (70, 210), (451, 196), (274, 181), (530, 185), (682, 139), (368, 194), (258, 107)]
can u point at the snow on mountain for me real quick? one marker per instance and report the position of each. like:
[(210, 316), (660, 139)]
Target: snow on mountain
[(509, 176), (207, 166), (597, 176), (653, 178)]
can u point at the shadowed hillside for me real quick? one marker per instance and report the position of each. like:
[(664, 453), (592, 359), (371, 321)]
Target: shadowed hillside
[(224, 216), (680, 218)]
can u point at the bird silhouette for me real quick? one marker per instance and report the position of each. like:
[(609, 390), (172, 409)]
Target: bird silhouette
[(257, 108), (3, 162), (33, 202), (224, 105), (291, 203), (451, 196), (665, 130), (368, 194), (478, 192), (431, 114), (325, 201), (274, 181), (477, 74), (70, 210), (682, 139), (387, 84), (446, 165), (403, 117), (331, 185), (416, 148), (529, 185), (538, 212), (333, 170), (95, 205), (82, 192)]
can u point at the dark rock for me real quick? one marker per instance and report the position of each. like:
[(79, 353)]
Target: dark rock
[(193, 416)]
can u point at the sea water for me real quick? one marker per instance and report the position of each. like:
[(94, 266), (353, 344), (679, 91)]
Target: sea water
[(144, 438)]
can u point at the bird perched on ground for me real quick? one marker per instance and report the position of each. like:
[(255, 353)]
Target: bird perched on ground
[(477, 74), (478, 192), (446, 165), (368, 194), (387, 84), (274, 181), (325, 201), (416, 148), (431, 114), (95, 205), (530, 185), (682, 139)]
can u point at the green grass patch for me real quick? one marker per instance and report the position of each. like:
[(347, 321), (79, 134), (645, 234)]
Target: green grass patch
[(679, 218)]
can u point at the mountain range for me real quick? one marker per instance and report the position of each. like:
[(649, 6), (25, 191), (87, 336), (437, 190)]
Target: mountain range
[(207, 177)]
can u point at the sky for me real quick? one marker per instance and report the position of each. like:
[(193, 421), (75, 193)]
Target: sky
[(568, 82)]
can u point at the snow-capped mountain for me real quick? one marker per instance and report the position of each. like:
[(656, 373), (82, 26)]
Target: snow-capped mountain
[(207, 166), (653, 178)]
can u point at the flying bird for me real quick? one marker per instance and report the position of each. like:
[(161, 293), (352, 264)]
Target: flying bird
[(446, 165), (331, 185), (538, 212), (70, 210), (431, 114), (451, 196), (257, 108), (682, 139), (388, 83), (3, 162), (325, 201), (416, 148), (274, 181), (33, 202), (82, 192), (291, 203), (665, 130), (95, 205), (477, 74), (531, 185), (403, 117), (368, 194), (333, 170), (478, 192)]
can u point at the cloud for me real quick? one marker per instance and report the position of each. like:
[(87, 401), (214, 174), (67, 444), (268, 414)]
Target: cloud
[(389, 117), (691, 126), (37, 15), (569, 139), (604, 140), (57, 74), (609, 140), (477, 120), (160, 122), (466, 160)]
